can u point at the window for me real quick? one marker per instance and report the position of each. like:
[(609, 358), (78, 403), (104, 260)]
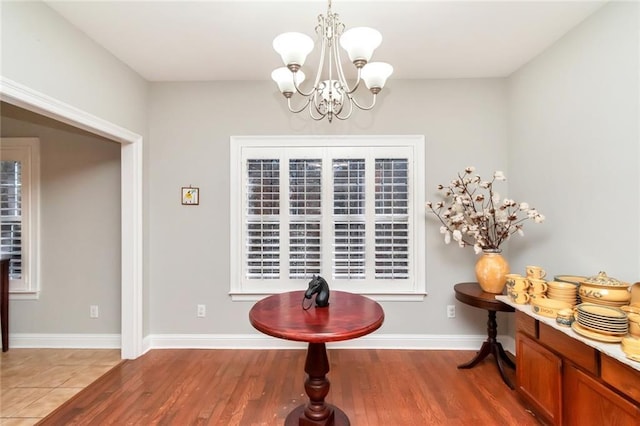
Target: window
[(19, 197), (347, 208)]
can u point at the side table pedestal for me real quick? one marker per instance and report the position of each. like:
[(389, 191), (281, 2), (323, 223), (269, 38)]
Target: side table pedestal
[(471, 294)]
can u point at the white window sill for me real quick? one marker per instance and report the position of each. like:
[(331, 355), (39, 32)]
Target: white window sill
[(24, 295), (413, 297)]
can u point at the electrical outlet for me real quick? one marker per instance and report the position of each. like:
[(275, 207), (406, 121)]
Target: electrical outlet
[(93, 311), (451, 311), (202, 311)]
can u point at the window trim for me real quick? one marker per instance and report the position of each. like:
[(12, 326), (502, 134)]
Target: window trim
[(29, 149), (415, 143)]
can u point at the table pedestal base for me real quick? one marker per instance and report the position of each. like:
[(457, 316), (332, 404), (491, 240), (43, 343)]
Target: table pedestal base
[(493, 347), (297, 418), (316, 412)]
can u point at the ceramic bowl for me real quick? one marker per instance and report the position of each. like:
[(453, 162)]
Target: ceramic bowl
[(605, 288), (561, 286), (602, 302), (561, 294), (571, 279), (571, 302), (605, 294), (631, 309), (634, 289), (549, 307), (631, 344), (565, 317), (634, 324)]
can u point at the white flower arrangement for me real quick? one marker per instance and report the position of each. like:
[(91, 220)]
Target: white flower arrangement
[(473, 213)]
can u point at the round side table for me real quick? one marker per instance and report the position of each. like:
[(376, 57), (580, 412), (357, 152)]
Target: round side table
[(471, 294)]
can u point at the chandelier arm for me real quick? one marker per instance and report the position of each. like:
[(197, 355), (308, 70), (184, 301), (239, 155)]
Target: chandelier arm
[(322, 51), (299, 90), (373, 103), (344, 117), (302, 108), (341, 77), (320, 116), (317, 102), (320, 64), (316, 118), (314, 89)]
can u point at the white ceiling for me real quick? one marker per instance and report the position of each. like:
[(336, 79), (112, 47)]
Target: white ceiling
[(231, 39)]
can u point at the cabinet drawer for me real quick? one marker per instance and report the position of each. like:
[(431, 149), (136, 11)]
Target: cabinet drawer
[(589, 402), (539, 378), (526, 324), (622, 377), (571, 349)]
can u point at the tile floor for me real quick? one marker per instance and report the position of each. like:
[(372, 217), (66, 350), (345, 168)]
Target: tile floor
[(34, 382)]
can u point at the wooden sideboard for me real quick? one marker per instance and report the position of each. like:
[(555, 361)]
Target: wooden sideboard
[(567, 382)]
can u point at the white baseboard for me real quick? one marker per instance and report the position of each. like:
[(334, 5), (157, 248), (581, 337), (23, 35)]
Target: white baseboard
[(254, 341), (377, 341), (75, 341), (508, 343)]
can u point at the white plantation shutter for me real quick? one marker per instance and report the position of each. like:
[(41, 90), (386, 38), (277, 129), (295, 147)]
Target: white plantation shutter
[(392, 218), (305, 213), (19, 211), (349, 220), (350, 211), (263, 219), (11, 212)]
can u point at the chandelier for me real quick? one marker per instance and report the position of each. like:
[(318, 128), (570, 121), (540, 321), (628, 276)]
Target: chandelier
[(331, 96)]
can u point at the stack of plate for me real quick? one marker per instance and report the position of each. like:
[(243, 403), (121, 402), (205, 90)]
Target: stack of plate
[(563, 291), (603, 323)]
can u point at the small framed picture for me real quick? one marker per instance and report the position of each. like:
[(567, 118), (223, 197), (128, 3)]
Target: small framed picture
[(190, 196)]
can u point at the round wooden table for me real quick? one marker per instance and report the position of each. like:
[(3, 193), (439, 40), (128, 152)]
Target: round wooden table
[(348, 316), (471, 294)]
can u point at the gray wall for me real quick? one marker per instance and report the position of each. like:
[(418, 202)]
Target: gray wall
[(574, 147), (80, 229), (564, 128), (464, 122), (43, 52)]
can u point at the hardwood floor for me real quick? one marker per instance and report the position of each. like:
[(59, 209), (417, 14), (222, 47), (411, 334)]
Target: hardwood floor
[(260, 387)]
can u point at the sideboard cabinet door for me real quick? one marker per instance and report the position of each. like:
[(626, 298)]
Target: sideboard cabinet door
[(589, 402), (539, 378)]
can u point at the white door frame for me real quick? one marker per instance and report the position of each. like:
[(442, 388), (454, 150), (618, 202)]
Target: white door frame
[(130, 193)]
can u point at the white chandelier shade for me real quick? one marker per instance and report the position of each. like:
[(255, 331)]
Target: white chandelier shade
[(331, 95), (375, 74), (293, 47), (360, 43), (282, 77)]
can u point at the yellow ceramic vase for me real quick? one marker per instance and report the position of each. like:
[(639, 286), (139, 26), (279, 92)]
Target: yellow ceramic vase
[(491, 271)]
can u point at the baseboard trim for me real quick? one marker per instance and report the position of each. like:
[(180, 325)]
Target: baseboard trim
[(63, 341), (254, 341), (377, 341)]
